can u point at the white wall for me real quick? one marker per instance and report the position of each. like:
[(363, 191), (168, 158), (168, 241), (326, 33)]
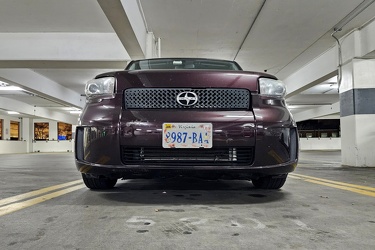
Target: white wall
[(6, 125), (53, 146), (26, 143), (13, 147), (320, 143)]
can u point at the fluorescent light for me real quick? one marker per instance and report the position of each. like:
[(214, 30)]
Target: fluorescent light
[(13, 113), (70, 109), (10, 88)]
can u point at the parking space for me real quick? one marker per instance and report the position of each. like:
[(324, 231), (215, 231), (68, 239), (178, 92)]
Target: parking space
[(44, 205)]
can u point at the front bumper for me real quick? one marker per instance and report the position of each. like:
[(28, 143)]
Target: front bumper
[(100, 152)]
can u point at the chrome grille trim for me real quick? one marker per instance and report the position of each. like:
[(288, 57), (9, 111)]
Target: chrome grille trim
[(166, 98)]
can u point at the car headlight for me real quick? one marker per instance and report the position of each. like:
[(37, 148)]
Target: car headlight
[(271, 87), (100, 87)]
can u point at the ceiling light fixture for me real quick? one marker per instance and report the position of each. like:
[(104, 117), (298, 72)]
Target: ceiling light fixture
[(12, 113), (10, 88)]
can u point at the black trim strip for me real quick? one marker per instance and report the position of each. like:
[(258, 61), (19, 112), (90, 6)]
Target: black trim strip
[(357, 102)]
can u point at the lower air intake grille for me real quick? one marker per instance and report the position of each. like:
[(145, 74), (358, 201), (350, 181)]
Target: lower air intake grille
[(166, 156), (166, 98)]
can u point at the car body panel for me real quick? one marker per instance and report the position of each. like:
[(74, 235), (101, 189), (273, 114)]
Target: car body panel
[(107, 128)]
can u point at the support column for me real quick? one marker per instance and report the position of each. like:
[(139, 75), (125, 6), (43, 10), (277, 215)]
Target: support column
[(27, 133), (357, 105), (6, 128), (53, 130), (150, 45)]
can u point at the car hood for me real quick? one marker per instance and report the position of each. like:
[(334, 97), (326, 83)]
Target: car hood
[(186, 78)]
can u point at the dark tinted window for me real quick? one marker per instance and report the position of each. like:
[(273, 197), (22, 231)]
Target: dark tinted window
[(183, 63)]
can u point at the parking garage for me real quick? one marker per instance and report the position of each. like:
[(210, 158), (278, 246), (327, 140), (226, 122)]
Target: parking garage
[(323, 52)]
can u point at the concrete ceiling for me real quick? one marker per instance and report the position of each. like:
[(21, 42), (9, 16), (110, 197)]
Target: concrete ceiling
[(52, 48)]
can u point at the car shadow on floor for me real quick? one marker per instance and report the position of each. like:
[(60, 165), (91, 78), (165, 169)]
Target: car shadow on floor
[(181, 191)]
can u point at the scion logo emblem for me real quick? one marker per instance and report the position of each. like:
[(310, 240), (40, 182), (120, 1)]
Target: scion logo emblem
[(187, 98)]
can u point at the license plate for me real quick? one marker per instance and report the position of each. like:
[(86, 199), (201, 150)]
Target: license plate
[(187, 135)]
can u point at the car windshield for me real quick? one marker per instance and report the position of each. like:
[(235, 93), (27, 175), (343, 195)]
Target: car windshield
[(183, 63)]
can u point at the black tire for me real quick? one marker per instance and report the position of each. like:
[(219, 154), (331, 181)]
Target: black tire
[(98, 183), (270, 182)]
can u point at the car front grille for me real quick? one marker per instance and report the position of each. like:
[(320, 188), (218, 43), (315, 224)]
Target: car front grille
[(166, 98), (178, 156)]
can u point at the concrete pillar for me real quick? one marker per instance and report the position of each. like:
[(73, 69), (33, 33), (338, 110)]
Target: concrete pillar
[(357, 105), (27, 133), (150, 45), (6, 128), (53, 130), (151, 48)]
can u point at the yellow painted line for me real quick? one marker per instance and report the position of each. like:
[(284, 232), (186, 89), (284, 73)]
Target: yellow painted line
[(24, 204), (364, 190), (336, 182), (294, 177), (355, 190), (36, 192)]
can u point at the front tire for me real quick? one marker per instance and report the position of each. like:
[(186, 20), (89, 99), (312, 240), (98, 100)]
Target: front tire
[(270, 182), (98, 183)]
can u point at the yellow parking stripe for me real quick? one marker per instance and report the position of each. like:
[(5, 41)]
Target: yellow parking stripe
[(364, 190), (24, 204), (36, 192), (355, 190), (336, 182)]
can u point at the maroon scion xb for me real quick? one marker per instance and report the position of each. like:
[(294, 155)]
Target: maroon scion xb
[(185, 117)]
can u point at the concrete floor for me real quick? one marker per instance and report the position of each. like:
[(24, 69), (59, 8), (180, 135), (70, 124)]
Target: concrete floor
[(309, 212)]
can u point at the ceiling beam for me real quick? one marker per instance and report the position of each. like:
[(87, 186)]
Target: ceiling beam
[(357, 44), (322, 68), (36, 112), (317, 112), (38, 84), (121, 23)]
